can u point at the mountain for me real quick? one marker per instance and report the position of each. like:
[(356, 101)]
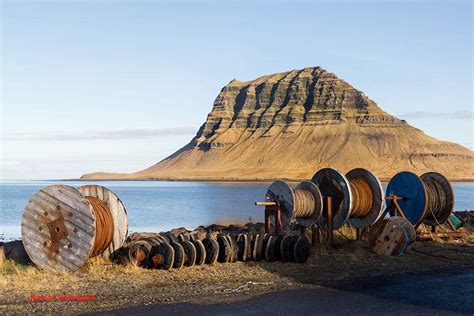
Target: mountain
[(290, 124)]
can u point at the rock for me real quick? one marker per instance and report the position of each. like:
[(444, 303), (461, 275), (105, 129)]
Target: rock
[(290, 124), (16, 252)]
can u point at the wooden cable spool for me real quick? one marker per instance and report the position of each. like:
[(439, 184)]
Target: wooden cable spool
[(62, 227), (428, 199), (393, 236), (302, 202), (357, 197)]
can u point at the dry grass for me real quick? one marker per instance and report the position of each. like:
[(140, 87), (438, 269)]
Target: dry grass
[(119, 286)]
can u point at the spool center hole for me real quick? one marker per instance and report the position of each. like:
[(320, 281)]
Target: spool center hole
[(57, 229), (386, 238)]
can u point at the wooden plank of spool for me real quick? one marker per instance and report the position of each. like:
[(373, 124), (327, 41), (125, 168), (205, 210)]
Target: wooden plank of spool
[(117, 209), (410, 188), (58, 228), (334, 184), (392, 237), (377, 197), (448, 190), (212, 250)]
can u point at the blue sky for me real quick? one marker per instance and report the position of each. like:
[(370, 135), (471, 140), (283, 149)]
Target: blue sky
[(120, 85)]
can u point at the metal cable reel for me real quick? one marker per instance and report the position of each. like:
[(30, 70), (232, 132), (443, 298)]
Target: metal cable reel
[(62, 227), (427, 199), (302, 204), (356, 198)]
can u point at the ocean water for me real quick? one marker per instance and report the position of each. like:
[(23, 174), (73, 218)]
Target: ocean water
[(160, 205)]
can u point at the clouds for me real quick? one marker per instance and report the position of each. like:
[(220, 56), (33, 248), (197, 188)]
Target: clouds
[(125, 133), (456, 115)]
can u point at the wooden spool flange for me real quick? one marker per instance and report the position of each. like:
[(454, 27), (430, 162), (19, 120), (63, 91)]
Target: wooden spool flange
[(59, 228), (377, 197), (332, 183), (393, 236), (409, 187), (448, 190)]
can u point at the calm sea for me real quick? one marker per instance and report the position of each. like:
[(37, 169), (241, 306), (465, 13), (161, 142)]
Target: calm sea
[(158, 205)]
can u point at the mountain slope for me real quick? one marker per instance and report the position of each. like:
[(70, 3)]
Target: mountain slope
[(288, 125)]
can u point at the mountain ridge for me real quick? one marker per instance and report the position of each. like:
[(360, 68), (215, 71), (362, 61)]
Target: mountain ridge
[(289, 124)]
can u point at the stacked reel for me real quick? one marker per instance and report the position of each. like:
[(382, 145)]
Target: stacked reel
[(168, 251), (62, 227)]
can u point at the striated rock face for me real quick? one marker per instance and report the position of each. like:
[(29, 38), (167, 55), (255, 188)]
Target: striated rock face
[(288, 125)]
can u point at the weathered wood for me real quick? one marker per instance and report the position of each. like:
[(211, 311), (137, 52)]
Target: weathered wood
[(394, 236), (58, 228)]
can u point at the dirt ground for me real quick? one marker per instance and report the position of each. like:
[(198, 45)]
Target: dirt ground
[(114, 286)]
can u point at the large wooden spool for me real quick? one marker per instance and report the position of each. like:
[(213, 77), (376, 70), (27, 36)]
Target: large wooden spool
[(335, 185), (411, 194), (59, 226), (393, 236)]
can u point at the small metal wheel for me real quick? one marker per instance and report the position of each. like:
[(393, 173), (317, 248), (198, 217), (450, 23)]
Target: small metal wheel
[(234, 247), (302, 249), (244, 245), (212, 250), (190, 253), (179, 255), (200, 252), (258, 248), (225, 252), (162, 256), (287, 248)]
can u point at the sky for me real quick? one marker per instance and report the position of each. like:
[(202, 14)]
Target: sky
[(119, 85)]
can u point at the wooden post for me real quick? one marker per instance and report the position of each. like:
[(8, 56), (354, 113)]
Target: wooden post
[(329, 220)]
